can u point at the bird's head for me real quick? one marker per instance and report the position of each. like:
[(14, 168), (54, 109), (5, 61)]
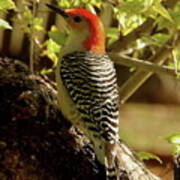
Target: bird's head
[(86, 29)]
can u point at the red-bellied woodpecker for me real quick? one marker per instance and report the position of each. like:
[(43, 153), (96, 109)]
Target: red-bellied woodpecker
[(88, 91)]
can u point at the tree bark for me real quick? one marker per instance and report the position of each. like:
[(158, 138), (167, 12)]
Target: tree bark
[(36, 142), (177, 167)]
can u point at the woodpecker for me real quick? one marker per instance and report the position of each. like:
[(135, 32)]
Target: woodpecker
[(88, 91)]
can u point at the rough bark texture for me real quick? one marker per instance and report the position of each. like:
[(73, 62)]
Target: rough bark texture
[(177, 167), (35, 140)]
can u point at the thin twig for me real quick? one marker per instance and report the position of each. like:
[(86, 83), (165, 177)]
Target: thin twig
[(122, 59)]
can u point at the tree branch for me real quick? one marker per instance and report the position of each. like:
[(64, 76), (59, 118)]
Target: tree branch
[(139, 77), (122, 59)]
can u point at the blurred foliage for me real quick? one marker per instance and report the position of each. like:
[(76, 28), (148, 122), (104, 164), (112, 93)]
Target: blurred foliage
[(79, 3), (57, 36), (132, 13), (155, 40), (127, 15), (148, 156), (52, 45), (174, 139), (27, 19), (6, 5), (4, 24), (174, 24), (112, 35), (30, 23)]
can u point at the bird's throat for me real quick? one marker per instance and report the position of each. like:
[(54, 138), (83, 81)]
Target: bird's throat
[(90, 39)]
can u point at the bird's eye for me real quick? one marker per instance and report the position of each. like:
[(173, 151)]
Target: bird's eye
[(77, 19)]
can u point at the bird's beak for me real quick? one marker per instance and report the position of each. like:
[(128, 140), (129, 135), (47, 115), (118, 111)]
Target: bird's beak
[(58, 10)]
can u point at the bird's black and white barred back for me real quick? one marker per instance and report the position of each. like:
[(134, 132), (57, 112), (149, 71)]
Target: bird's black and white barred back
[(90, 80)]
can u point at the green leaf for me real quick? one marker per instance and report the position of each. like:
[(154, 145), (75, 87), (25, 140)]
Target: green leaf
[(46, 71), (64, 3), (176, 149), (157, 39), (30, 23), (159, 8), (133, 7), (6, 4), (174, 138), (96, 3), (52, 50), (112, 34), (4, 24), (26, 20), (37, 24), (147, 156), (58, 37), (170, 25)]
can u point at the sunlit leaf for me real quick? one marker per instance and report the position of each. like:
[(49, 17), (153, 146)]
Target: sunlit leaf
[(37, 24), (52, 50), (112, 35), (148, 156), (176, 149), (46, 71), (57, 36), (6, 4), (4, 24), (174, 138), (96, 3), (159, 8), (30, 23), (157, 39), (64, 3), (133, 7)]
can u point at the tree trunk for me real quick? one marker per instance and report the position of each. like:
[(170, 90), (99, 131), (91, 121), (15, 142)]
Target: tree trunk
[(36, 142)]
